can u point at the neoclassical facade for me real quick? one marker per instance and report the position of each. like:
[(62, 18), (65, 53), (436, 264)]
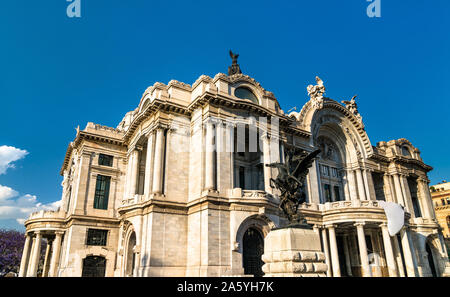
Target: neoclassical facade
[(180, 188), (440, 193)]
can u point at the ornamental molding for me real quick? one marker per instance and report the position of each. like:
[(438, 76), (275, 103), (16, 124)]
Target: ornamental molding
[(179, 84)]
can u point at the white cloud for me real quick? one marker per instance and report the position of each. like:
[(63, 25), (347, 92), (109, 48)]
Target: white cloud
[(8, 155), (6, 193), (13, 206)]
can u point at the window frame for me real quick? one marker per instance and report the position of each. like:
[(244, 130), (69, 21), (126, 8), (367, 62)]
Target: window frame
[(108, 158), (101, 200), (104, 232)]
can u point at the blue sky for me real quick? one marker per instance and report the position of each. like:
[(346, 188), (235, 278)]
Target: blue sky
[(57, 72)]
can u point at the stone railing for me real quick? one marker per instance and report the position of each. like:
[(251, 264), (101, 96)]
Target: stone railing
[(423, 220), (254, 194), (349, 204), (47, 214), (133, 200), (442, 207)]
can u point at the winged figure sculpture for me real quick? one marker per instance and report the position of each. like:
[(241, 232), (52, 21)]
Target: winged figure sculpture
[(291, 182)]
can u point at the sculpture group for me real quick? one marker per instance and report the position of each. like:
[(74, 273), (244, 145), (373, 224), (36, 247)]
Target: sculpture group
[(291, 182)]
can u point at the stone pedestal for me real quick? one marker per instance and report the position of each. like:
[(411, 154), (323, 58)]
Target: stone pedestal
[(293, 252)]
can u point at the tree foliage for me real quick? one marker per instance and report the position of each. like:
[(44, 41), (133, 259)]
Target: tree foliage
[(11, 247)]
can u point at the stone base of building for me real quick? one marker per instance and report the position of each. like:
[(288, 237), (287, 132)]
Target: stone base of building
[(293, 251)]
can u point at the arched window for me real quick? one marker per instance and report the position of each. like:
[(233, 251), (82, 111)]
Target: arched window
[(245, 93), (253, 249), (94, 266), (329, 165), (131, 256), (405, 151)]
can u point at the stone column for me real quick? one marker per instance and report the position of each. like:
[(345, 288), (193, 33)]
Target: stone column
[(387, 189), (267, 171), (398, 256), (361, 188), (326, 251), (399, 191), (25, 256), (424, 191), (126, 191), (158, 165), (407, 195), (47, 258), (345, 185), (134, 172), (334, 251), (148, 166), (365, 267), (388, 251), (35, 255), (348, 262), (209, 156), (353, 188), (56, 251), (408, 254), (395, 195), (370, 185)]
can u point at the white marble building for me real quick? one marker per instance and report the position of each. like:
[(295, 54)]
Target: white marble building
[(167, 193)]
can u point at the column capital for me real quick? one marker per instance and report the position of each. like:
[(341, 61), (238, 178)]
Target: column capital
[(265, 135), (59, 232), (356, 224), (383, 225), (330, 226)]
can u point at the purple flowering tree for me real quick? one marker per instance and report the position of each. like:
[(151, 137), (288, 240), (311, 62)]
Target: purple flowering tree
[(11, 248)]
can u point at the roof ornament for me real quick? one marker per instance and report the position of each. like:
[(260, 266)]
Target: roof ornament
[(234, 68), (353, 107), (316, 93)]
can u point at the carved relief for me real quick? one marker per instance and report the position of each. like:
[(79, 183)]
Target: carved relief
[(328, 148)]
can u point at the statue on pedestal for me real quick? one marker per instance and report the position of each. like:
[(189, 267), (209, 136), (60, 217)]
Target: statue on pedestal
[(291, 182)]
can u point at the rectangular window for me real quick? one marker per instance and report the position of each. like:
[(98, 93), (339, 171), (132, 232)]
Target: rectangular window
[(416, 207), (102, 192), (334, 172), (325, 170), (327, 192), (337, 194), (105, 160), (96, 237), (242, 178)]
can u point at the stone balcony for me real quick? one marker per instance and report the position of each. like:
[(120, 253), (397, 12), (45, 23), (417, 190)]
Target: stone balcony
[(46, 221), (136, 199), (47, 214)]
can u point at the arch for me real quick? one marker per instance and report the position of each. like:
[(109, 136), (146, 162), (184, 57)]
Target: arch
[(97, 251), (430, 259), (253, 249), (260, 222), (243, 92), (434, 257), (311, 117), (94, 266), (129, 247)]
